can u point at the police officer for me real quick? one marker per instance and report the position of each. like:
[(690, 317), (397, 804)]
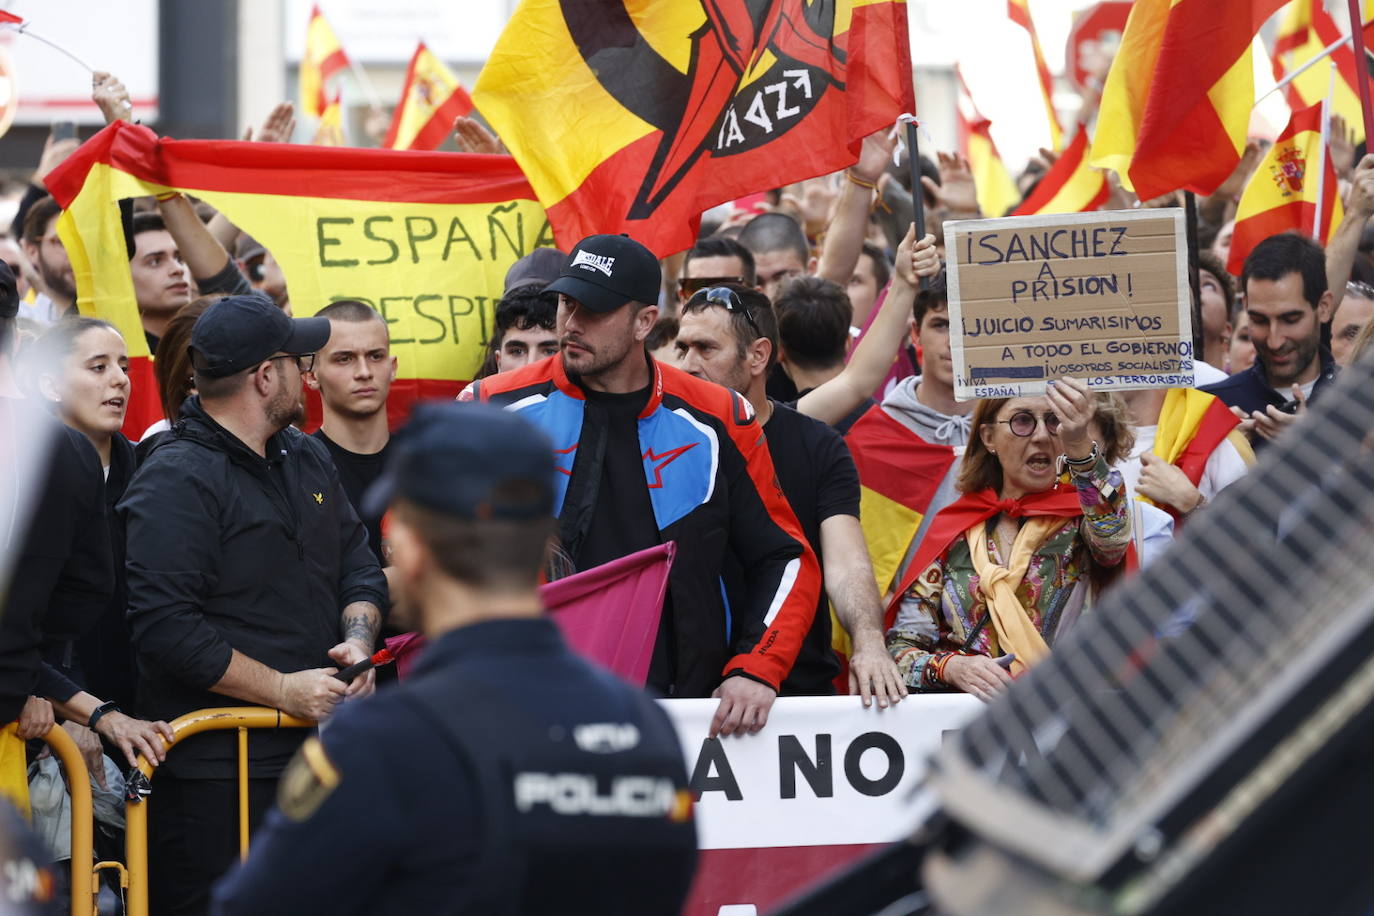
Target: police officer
[(505, 775)]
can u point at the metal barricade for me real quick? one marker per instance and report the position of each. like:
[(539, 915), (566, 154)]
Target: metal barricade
[(83, 881), (241, 718)]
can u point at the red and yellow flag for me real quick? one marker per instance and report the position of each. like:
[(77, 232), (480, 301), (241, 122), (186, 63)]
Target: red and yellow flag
[(1192, 424), (431, 99), (636, 116), (1293, 190), (1019, 12), (425, 238), (1071, 185), (323, 58), (1177, 100), (997, 191), (1305, 29), (330, 131)]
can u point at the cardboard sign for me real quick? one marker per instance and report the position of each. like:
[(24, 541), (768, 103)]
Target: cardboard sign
[(1103, 297)]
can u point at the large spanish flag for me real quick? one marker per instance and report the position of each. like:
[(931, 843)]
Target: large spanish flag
[(1019, 12), (1192, 425), (1071, 185), (323, 58), (425, 238), (431, 99), (1305, 29), (1293, 190), (997, 192), (636, 116), (1177, 100)]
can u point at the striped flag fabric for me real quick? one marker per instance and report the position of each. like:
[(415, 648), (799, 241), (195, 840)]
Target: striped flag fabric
[(660, 111), (425, 238), (1304, 31), (431, 98), (996, 189), (1019, 13), (1071, 185), (1192, 424), (1177, 100), (1293, 190), (323, 58)]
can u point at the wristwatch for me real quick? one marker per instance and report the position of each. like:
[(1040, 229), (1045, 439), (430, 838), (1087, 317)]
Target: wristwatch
[(98, 714)]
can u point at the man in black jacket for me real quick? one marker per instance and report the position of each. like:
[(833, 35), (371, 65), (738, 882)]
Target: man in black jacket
[(249, 573)]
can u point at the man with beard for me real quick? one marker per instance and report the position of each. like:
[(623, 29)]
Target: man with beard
[(56, 284), (1287, 302), (648, 454), (249, 579)]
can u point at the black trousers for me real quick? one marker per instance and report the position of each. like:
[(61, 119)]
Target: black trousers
[(193, 838)]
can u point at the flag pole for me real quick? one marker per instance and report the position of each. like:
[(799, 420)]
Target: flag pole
[(1362, 74), (1321, 157), (1194, 280), (918, 191), (365, 82), (1322, 55)]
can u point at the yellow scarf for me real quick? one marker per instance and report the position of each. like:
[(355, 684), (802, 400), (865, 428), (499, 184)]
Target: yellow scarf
[(1010, 621)]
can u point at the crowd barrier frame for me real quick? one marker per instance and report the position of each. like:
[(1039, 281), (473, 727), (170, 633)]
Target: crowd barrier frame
[(218, 718), (83, 881)]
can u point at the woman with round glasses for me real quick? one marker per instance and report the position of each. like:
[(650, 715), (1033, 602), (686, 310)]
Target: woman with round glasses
[(1041, 527)]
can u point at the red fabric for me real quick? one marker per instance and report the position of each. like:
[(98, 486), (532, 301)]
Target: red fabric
[(608, 614), (145, 404), (293, 170), (972, 508)]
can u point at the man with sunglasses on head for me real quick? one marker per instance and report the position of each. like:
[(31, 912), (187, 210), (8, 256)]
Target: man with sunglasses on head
[(647, 454), (250, 581), (729, 335)]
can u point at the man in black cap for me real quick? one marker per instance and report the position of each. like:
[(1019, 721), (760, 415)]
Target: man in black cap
[(249, 578), (565, 792), (649, 454)]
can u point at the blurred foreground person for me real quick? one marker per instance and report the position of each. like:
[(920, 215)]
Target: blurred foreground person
[(1020, 555), (560, 793)]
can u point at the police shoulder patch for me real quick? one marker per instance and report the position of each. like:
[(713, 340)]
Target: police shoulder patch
[(307, 782)]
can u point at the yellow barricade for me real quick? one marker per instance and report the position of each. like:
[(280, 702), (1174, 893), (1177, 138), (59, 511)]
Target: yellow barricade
[(83, 820), (241, 718)]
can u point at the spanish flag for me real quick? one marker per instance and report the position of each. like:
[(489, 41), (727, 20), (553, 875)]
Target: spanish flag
[(1192, 425), (636, 116), (424, 238), (1293, 190), (431, 99), (1177, 100), (1019, 11), (330, 131), (323, 58), (1071, 185), (1305, 29), (997, 192)]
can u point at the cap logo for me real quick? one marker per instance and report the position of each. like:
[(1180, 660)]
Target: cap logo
[(601, 262)]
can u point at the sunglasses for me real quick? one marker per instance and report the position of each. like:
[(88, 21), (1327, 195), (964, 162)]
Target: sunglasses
[(1023, 423), (727, 298), (686, 286)]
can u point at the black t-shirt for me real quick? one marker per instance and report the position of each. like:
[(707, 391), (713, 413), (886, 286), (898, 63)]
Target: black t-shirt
[(356, 473), (623, 520), (847, 421), (819, 479)]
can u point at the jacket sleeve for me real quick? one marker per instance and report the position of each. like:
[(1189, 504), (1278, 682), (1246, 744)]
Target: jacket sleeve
[(82, 592), (172, 562), (782, 577)]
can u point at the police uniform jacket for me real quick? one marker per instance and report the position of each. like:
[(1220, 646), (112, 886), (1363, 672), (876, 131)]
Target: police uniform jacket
[(504, 776)]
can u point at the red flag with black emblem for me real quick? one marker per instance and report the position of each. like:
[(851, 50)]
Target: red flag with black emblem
[(635, 116)]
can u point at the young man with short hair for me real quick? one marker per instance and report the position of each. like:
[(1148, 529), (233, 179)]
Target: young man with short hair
[(162, 282), (353, 373)]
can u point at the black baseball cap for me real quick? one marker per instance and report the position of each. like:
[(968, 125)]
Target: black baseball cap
[(453, 458), (538, 268), (606, 271), (239, 332)]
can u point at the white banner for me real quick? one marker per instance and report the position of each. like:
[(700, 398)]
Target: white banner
[(823, 772)]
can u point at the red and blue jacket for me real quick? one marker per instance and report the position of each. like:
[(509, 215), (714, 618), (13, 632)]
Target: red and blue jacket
[(713, 489)]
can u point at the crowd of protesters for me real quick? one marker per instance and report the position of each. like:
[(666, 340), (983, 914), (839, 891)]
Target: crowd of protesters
[(224, 558)]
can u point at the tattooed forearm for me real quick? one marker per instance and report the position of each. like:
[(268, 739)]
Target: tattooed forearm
[(361, 621)]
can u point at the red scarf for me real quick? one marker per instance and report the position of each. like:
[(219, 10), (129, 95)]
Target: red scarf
[(972, 509)]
